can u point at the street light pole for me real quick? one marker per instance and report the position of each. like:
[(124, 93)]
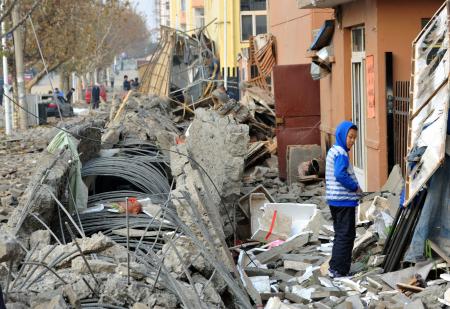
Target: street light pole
[(6, 86), (18, 49)]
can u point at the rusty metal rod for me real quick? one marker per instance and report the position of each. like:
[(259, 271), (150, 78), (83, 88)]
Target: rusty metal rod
[(128, 240), (30, 274), (48, 268), (81, 252), (29, 255)]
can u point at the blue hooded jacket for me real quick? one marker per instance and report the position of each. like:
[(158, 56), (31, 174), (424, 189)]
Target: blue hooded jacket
[(340, 179)]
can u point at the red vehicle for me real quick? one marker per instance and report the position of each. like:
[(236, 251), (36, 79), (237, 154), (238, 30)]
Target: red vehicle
[(88, 94)]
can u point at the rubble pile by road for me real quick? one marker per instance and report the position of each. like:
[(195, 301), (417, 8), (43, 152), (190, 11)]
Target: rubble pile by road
[(193, 214)]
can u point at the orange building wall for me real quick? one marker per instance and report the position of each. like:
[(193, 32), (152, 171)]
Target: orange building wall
[(292, 29), (390, 25), (197, 3)]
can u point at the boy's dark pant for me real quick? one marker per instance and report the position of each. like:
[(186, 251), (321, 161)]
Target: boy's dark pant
[(344, 237)]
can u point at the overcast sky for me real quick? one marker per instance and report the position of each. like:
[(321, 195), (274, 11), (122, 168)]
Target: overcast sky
[(147, 7)]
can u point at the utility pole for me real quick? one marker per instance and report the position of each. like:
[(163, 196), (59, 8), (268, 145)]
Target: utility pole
[(18, 50), (6, 86), (225, 44)]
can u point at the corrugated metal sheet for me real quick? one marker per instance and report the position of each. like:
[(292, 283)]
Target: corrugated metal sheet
[(297, 108)]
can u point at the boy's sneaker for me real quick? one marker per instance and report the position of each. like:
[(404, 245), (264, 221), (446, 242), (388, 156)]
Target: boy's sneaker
[(334, 274)]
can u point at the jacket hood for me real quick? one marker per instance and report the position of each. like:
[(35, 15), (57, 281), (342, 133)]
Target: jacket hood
[(341, 133)]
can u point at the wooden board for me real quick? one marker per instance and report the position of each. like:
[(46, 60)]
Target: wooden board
[(429, 100), (430, 61)]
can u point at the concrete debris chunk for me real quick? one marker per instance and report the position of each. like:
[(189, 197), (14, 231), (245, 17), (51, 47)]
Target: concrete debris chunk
[(272, 225), (275, 303), (261, 283), (40, 238), (363, 242), (9, 248), (55, 303), (291, 243), (97, 266)]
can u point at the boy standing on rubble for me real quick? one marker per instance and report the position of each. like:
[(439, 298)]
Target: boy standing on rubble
[(342, 193)]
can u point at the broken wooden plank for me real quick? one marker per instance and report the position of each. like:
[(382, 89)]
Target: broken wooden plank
[(409, 287)]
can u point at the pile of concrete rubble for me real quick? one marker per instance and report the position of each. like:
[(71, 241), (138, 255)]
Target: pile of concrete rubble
[(211, 229)]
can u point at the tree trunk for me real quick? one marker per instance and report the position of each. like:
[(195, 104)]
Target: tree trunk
[(79, 89), (65, 81)]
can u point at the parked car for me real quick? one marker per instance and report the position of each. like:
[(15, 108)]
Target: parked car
[(88, 94), (52, 107)]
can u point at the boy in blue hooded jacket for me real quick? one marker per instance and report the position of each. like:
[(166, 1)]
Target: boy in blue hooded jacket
[(342, 194)]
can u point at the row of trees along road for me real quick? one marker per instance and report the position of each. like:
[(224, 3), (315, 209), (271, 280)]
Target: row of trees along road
[(75, 36)]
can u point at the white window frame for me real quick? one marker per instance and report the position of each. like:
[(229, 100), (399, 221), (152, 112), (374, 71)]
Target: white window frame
[(199, 18), (253, 14), (358, 89)]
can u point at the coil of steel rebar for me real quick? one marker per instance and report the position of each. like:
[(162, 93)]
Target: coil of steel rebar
[(142, 168)]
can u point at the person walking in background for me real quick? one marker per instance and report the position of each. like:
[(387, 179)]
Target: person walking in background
[(95, 97), (69, 95), (126, 83), (2, 91), (135, 84), (342, 194), (111, 80), (60, 96)]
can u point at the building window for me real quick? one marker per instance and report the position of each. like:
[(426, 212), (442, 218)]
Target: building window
[(183, 5), (199, 17), (261, 24), (167, 5), (253, 18), (358, 44), (359, 101), (253, 5)]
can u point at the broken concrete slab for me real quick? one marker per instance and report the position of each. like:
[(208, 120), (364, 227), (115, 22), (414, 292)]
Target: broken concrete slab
[(261, 283), (291, 243), (296, 265), (363, 242), (219, 144)]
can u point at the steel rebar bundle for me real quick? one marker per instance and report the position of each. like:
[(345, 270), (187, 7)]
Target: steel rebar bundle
[(145, 172)]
